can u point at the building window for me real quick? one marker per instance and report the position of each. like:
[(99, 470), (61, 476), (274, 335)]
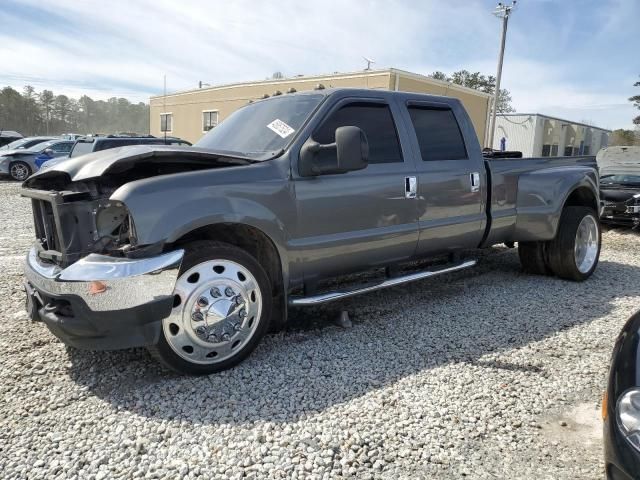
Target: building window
[(166, 122), (554, 150), (209, 120), (546, 150), (568, 151), (585, 150)]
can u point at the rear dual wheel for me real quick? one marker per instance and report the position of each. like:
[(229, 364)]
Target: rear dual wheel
[(221, 310), (573, 254)]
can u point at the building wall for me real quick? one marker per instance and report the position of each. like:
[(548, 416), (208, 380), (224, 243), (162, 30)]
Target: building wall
[(187, 107), (519, 132), (538, 135)]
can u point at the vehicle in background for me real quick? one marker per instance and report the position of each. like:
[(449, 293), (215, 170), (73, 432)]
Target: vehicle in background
[(71, 136), (8, 136), (20, 164), (92, 144), (24, 143), (620, 185), (197, 252), (621, 406)]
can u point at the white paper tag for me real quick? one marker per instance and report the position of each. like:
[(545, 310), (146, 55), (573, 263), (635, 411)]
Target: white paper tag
[(281, 128)]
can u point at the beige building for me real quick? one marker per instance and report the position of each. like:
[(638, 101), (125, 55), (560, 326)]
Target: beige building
[(537, 135), (190, 114)]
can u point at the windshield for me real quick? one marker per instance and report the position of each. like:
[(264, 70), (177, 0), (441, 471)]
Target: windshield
[(620, 178), (81, 147), (261, 128)]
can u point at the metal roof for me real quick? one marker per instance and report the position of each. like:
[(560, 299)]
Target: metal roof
[(552, 118)]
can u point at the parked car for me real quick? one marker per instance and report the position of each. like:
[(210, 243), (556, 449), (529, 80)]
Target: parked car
[(95, 144), (24, 143), (196, 252), (620, 185), (621, 406), (8, 136), (21, 163)]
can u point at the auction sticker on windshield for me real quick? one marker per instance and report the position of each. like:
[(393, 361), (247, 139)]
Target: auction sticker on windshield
[(281, 128)]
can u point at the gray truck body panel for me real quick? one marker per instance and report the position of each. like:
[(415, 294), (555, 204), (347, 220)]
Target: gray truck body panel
[(329, 225)]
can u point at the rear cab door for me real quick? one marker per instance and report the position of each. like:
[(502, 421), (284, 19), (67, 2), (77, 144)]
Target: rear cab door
[(359, 219), (451, 176)]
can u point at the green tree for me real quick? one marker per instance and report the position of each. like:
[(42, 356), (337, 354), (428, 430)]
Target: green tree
[(636, 103), (478, 81), (45, 99), (622, 137)]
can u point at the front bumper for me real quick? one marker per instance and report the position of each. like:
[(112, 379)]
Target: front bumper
[(627, 215), (4, 167), (101, 302)]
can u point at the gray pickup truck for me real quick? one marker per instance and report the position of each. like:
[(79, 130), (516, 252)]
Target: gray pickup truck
[(197, 252)]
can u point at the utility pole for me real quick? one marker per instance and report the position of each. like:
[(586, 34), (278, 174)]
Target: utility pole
[(501, 11)]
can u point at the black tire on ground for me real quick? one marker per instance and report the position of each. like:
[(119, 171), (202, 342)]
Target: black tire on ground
[(19, 171), (198, 252), (561, 250), (533, 258)]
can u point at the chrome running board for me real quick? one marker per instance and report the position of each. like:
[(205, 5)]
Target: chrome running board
[(390, 282)]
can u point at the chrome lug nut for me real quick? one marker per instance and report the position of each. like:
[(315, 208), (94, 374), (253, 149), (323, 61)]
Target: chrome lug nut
[(203, 302), (242, 313), (215, 292), (197, 317), (229, 292), (226, 337), (201, 331)]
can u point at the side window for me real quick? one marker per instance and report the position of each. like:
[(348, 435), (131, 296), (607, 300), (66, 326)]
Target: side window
[(376, 122), (62, 147), (439, 135), (166, 122)]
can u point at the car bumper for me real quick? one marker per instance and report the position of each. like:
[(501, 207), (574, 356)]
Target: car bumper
[(4, 168), (101, 302)]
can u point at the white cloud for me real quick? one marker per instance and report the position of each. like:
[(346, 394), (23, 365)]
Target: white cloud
[(123, 48)]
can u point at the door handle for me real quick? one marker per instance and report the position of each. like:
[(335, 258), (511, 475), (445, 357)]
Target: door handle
[(475, 181), (410, 187)]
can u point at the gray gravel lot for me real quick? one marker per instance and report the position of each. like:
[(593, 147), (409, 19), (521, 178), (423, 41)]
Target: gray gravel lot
[(473, 375)]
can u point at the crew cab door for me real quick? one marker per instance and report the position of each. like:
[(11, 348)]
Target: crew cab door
[(451, 177), (359, 219)]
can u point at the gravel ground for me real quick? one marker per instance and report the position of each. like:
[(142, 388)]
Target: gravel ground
[(488, 373)]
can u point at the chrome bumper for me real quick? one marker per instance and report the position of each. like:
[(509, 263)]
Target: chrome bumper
[(107, 283)]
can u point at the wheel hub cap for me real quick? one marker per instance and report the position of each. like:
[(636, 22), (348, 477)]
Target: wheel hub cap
[(586, 244), (217, 307)]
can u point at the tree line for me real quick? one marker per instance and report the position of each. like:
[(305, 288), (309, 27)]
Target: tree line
[(44, 113), (478, 81)]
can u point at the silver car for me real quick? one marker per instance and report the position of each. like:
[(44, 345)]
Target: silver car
[(19, 164)]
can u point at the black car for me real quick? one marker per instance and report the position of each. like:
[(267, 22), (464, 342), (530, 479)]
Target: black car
[(620, 192), (91, 144), (621, 406)]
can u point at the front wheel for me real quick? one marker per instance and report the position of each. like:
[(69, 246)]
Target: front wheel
[(19, 171), (575, 251), (221, 310)]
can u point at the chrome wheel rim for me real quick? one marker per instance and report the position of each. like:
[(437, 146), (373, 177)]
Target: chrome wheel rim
[(586, 244), (19, 172), (217, 306)]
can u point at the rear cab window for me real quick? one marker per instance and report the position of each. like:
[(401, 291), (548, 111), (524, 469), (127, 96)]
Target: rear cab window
[(438, 133), (82, 147)]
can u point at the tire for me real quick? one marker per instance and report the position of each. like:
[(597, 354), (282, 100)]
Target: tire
[(574, 253), (19, 171), (222, 309), (533, 258)]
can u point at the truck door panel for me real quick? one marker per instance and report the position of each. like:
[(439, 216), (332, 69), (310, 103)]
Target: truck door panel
[(360, 219), (451, 182)]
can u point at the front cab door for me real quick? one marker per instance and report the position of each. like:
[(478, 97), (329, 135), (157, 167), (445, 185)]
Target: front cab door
[(360, 219)]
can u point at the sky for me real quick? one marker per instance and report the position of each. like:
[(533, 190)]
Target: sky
[(575, 59)]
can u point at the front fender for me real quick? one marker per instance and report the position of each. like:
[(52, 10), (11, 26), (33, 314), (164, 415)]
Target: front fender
[(165, 208), (542, 195)]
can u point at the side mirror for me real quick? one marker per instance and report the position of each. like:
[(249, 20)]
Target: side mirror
[(49, 152), (352, 153)]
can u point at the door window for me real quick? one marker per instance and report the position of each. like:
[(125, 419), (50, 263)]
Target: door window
[(439, 135), (376, 122)]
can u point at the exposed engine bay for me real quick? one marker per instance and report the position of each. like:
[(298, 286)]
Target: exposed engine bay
[(76, 218)]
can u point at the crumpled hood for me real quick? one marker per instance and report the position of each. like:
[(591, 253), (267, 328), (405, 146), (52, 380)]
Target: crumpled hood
[(96, 164)]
